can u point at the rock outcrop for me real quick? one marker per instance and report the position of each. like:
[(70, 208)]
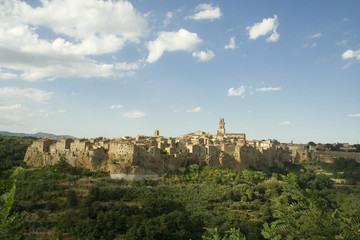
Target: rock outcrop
[(157, 154)]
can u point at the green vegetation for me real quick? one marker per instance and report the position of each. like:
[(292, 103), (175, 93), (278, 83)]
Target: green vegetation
[(11, 224), (344, 168), (63, 202), (12, 150), (296, 201)]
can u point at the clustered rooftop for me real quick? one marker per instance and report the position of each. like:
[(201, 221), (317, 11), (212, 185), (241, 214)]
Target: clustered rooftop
[(157, 154)]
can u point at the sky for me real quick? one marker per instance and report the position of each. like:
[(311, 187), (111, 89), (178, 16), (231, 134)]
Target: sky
[(284, 70)]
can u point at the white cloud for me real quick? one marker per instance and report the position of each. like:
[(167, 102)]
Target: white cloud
[(347, 65), (274, 37), (197, 109), (284, 123), (352, 55), (134, 114), (231, 44), (116, 106), (44, 113), (243, 90), (204, 56), (181, 40), (342, 43), (15, 107), (11, 118), (24, 94), (168, 17), (129, 66), (268, 89), (32, 67), (354, 115), (181, 109), (206, 12), (77, 29), (7, 75), (263, 28), (237, 92), (317, 35), (349, 54), (77, 19)]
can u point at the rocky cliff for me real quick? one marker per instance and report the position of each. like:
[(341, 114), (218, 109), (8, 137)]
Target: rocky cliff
[(156, 154)]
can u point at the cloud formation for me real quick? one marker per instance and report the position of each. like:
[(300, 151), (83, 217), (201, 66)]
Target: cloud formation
[(242, 90), (203, 56), (116, 106), (231, 44), (308, 45), (75, 35), (354, 115), (197, 109), (168, 17), (129, 66), (268, 89), (268, 25), (342, 43), (8, 94), (181, 40), (350, 54), (135, 114), (7, 75), (317, 35), (284, 123), (10, 118), (206, 12), (15, 107), (237, 92)]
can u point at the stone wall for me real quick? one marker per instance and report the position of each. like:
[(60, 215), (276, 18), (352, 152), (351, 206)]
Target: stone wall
[(330, 156), (155, 155)]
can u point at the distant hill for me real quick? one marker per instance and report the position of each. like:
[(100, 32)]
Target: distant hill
[(37, 135)]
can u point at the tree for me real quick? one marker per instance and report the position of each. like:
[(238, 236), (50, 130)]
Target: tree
[(71, 199), (12, 151), (311, 143), (303, 214), (232, 234), (11, 225), (329, 147)]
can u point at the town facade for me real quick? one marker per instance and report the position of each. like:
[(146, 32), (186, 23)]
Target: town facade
[(157, 154)]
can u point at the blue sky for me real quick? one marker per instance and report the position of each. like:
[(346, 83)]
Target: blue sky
[(285, 70)]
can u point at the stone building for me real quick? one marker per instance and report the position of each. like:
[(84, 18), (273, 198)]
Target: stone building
[(157, 154)]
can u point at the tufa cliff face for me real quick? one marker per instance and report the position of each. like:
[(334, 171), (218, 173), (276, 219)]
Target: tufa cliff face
[(156, 154)]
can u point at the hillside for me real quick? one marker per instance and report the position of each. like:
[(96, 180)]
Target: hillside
[(63, 202), (297, 200), (36, 135), (12, 150)]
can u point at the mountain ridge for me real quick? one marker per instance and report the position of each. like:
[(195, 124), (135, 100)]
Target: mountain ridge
[(36, 135)]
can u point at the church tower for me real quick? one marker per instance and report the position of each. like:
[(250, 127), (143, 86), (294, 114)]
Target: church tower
[(221, 130), (156, 133)]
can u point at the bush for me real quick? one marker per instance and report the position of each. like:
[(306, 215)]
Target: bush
[(71, 199)]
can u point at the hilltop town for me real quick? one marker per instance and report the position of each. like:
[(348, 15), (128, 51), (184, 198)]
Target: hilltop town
[(157, 154)]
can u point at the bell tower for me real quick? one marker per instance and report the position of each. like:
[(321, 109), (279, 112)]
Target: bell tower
[(221, 130), (156, 133)]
